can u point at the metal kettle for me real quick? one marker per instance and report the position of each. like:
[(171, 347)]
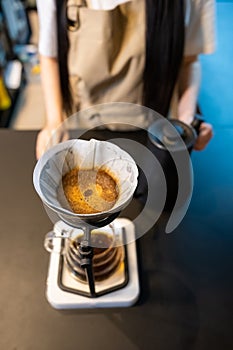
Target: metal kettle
[(167, 138), (172, 143)]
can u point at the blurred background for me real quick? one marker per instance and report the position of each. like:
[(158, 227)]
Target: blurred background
[(21, 98)]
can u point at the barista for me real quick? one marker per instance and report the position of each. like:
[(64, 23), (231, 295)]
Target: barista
[(138, 51)]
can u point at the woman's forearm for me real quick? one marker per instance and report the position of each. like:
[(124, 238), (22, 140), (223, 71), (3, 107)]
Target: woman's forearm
[(51, 89), (189, 84)]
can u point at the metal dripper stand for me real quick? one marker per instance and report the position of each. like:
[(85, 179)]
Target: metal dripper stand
[(86, 251), (74, 279)]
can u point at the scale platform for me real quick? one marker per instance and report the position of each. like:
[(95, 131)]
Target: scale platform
[(61, 286)]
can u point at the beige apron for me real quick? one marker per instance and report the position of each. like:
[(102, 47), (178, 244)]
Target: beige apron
[(107, 54)]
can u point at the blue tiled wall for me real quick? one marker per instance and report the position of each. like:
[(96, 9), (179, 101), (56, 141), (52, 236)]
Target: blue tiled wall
[(216, 94)]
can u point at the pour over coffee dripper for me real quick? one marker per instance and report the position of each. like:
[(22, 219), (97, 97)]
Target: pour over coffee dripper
[(93, 154)]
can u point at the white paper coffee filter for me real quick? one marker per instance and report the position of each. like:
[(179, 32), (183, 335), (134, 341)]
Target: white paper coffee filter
[(92, 154)]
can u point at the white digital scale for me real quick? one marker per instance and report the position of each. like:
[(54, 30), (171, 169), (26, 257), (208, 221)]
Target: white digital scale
[(123, 285)]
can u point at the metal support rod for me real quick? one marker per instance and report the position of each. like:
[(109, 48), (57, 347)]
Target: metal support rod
[(86, 252)]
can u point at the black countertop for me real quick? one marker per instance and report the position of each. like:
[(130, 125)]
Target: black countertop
[(186, 297)]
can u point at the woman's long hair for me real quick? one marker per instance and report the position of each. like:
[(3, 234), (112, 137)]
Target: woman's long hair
[(62, 55), (164, 52)]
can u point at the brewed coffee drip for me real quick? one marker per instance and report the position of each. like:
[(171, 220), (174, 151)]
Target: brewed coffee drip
[(105, 260), (89, 191)]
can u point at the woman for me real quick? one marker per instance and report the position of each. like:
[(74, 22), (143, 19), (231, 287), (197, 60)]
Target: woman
[(139, 51)]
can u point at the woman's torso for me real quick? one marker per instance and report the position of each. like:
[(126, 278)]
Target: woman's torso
[(107, 52)]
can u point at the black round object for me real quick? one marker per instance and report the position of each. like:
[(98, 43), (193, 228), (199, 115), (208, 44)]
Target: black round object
[(164, 135)]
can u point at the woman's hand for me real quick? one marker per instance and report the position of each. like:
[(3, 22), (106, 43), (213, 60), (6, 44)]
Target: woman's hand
[(49, 137), (205, 135)]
